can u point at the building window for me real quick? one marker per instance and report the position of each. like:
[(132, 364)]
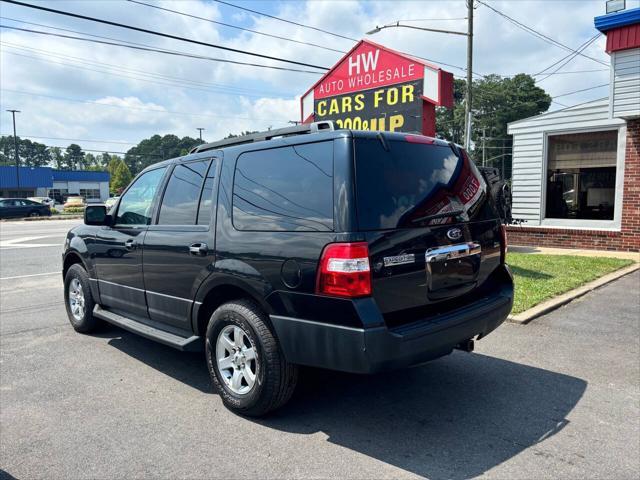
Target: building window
[(21, 193), (58, 194), (90, 193), (581, 175)]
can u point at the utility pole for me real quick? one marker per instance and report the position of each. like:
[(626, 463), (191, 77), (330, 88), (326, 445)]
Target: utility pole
[(15, 147), (504, 153), (469, 35), (467, 109), (484, 149), (200, 129)]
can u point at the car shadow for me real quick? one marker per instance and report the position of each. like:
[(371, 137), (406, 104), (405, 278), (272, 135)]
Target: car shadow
[(452, 418), (186, 367), (527, 273)]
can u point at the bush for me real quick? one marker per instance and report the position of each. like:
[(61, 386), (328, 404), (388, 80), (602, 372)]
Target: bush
[(54, 211), (73, 209)]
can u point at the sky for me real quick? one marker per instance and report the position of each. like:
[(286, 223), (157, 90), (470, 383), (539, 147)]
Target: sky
[(106, 97)]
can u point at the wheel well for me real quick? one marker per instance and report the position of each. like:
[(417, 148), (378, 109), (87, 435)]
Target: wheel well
[(216, 297), (70, 259)]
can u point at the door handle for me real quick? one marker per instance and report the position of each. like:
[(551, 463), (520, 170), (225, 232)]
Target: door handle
[(130, 244), (198, 249)]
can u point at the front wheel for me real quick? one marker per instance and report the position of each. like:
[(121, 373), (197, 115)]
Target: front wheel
[(245, 363), (78, 300), (34, 214)]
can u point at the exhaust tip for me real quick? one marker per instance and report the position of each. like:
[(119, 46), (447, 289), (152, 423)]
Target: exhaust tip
[(466, 346)]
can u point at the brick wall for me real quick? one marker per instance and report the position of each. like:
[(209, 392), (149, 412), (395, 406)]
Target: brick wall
[(627, 239)]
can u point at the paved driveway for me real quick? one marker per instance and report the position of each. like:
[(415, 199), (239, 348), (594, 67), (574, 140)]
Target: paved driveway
[(558, 398)]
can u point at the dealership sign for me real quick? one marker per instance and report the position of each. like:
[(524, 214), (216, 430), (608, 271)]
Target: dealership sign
[(375, 88)]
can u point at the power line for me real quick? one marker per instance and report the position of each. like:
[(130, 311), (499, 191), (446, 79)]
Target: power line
[(146, 47), (581, 90), (134, 77), (182, 81), (162, 34), (538, 34), (137, 108), (235, 26), (157, 50), (575, 71), (568, 58), (71, 139), (431, 19), (105, 151), (149, 47), (287, 21)]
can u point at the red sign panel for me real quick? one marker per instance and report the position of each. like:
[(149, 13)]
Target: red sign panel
[(368, 66)]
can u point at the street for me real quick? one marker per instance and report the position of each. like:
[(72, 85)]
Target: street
[(558, 398)]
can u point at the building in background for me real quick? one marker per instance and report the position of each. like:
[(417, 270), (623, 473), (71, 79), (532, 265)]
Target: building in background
[(57, 184), (576, 171)]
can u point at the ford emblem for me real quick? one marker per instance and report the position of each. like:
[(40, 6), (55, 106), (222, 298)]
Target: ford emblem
[(454, 234)]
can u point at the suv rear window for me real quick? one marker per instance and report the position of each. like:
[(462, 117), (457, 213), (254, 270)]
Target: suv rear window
[(396, 188), (285, 188)]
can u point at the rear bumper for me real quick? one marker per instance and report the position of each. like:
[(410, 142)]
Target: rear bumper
[(369, 350)]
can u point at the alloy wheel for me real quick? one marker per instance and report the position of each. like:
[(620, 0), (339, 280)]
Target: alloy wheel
[(236, 359), (76, 299)]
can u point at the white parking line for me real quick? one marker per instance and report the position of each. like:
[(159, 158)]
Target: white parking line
[(32, 275)]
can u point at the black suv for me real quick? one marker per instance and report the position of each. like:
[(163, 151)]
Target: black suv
[(347, 250)]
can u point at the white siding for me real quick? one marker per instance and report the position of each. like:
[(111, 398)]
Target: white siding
[(626, 83), (529, 150)]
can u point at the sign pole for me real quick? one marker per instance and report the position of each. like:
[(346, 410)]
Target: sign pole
[(15, 147), (467, 117)]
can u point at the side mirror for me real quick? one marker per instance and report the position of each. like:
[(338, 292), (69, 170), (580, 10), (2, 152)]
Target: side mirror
[(96, 215)]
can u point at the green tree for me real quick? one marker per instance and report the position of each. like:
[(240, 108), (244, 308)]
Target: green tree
[(30, 154), (112, 165), (121, 178), (156, 149), (74, 157), (497, 101), (57, 158)]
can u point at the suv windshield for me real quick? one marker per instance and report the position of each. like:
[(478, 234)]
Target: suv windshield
[(416, 184)]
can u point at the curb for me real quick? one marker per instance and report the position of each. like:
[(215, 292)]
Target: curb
[(52, 218), (550, 305)]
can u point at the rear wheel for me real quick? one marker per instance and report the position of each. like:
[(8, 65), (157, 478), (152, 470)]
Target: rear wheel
[(34, 214), (78, 300), (246, 365)]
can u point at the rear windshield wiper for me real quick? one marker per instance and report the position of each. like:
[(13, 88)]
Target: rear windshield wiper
[(453, 213)]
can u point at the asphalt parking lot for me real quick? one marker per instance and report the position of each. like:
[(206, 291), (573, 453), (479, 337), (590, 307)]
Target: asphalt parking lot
[(558, 398)]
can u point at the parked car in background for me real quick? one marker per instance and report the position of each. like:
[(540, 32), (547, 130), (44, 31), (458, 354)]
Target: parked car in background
[(74, 202), (43, 200), (111, 201), (22, 207)]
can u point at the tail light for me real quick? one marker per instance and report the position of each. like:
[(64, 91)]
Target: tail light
[(503, 243), (344, 270)]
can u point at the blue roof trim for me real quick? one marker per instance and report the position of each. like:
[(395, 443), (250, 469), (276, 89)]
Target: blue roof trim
[(618, 19), (30, 177), (43, 177), (79, 176)]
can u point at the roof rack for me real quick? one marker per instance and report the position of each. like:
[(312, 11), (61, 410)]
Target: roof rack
[(268, 135)]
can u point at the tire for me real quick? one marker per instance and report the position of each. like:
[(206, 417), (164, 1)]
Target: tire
[(274, 379), (80, 311), (34, 214)]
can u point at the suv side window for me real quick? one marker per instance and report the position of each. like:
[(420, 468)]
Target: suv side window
[(182, 195), (285, 188), (206, 199), (136, 204)]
